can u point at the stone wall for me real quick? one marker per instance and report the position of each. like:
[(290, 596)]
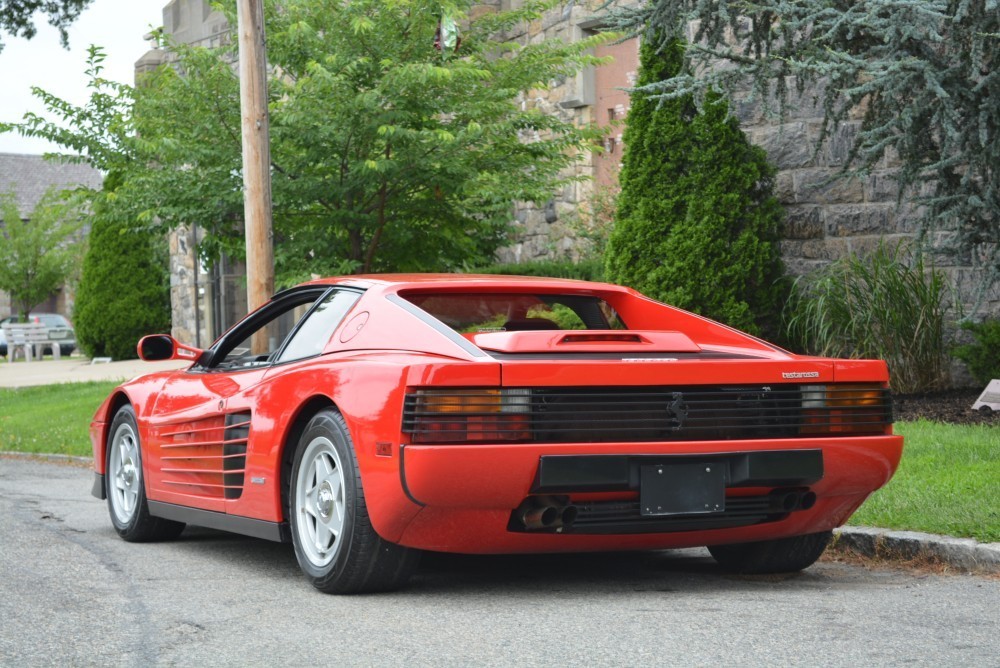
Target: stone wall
[(827, 217)]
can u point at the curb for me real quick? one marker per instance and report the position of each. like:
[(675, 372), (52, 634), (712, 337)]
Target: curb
[(962, 554), (43, 456)]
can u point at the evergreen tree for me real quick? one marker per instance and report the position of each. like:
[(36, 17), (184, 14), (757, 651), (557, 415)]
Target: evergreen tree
[(124, 292), (697, 223)]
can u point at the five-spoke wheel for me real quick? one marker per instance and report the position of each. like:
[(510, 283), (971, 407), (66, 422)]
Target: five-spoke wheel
[(124, 472), (126, 488), (335, 543), (319, 501)]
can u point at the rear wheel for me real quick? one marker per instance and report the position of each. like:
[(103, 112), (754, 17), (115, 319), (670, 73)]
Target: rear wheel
[(782, 555), (335, 544), (126, 488)]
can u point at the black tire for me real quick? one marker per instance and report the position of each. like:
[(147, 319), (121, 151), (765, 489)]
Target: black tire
[(336, 547), (125, 485), (782, 555)]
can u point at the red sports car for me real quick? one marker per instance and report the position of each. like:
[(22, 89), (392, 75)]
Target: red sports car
[(367, 418)]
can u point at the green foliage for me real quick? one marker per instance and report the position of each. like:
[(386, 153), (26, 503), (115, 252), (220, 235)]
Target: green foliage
[(921, 74), (17, 16), (387, 154), (982, 356), (37, 256), (877, 306), (124, 291), (697, 223), (585, 270), (946, 474)]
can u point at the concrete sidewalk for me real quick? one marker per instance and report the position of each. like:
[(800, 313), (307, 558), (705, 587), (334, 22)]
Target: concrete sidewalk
[(77, 370)]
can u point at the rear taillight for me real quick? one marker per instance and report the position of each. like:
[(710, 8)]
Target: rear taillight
[(468, 415), (845, 409)]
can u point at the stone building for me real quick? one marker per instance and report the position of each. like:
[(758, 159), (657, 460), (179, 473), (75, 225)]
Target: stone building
[(204, 301), (827, 218), (28, 178)]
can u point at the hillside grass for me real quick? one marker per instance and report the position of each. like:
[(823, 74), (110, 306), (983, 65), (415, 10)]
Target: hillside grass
[(948, 481)]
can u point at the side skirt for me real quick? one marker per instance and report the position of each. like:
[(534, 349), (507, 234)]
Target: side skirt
[(276, 531)]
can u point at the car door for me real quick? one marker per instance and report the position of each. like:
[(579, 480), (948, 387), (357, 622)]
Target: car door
[(199, 428)]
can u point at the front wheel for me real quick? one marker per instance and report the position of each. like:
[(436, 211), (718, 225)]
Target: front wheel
[(335, 544), (126, 488), (782, 555)]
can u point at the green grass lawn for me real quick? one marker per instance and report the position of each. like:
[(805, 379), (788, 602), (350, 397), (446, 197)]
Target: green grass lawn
[(52, 418), (948, 481)]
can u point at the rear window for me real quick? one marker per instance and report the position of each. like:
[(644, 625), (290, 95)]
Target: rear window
[(473, 313)]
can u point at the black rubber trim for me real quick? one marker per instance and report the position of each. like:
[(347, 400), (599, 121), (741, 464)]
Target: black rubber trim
[(402, 477), (622, 356), (276, 531), (438, 326), (613, 473), (97, 489)]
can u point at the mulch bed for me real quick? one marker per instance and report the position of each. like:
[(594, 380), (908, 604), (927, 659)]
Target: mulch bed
[(952, 406)]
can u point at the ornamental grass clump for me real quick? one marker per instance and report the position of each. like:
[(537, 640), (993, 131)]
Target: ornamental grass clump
[(876, 306)]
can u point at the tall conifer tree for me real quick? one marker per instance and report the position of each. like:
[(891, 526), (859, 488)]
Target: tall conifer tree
[(697, 222)]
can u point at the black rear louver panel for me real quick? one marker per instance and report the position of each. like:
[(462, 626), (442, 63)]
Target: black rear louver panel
[(235, 453), (648, 414)]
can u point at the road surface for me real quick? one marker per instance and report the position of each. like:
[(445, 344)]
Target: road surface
[(74, 594)]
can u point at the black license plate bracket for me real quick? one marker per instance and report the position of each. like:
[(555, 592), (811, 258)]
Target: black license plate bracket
[(682, 488)]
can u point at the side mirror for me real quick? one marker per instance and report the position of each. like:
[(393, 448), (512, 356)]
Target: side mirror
[(157, 347)]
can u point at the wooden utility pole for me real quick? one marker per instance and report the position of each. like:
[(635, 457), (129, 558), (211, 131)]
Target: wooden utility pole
[(256, 154)]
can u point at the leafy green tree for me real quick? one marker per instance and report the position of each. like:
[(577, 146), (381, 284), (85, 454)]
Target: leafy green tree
[(37, 255), (697, 223), (124, 290), (17, 16), (921, 74), (387, 153)]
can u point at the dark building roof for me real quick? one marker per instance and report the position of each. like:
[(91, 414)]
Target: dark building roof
[(29, 176)]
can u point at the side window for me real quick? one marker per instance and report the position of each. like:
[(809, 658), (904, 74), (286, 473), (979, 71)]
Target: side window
[(314, 333), (257, 344)]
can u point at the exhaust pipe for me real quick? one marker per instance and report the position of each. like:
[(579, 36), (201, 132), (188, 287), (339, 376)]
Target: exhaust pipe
[(788, 501), (546, 512), (539, 517), (569, 515)]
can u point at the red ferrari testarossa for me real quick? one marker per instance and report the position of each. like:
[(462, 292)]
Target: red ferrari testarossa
[(367, 418)]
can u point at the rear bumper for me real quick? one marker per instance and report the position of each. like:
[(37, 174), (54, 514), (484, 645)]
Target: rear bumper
[(469, 493)]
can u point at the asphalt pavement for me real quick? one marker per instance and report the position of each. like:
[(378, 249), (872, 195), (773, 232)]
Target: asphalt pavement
[(962, 555), (74, 594)]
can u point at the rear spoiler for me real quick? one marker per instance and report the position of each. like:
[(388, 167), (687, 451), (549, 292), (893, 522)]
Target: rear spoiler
[(590, 340)]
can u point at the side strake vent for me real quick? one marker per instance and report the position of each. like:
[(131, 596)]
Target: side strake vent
[(206, 458), (644, 414)]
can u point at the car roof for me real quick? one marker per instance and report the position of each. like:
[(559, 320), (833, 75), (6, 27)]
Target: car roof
[(404, 281)]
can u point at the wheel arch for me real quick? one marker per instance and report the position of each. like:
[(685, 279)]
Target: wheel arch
[(113, 404), (306, 412)]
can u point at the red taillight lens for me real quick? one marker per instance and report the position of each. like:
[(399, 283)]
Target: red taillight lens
[(845, 409), (468, 415)]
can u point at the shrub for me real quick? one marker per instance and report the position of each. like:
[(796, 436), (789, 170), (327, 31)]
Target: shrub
[(124, 291), (982, 356), (697, 223), (875, 307)]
